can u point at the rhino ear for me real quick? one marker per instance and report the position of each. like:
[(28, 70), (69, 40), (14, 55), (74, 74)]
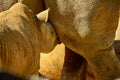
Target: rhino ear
[(43, 16)]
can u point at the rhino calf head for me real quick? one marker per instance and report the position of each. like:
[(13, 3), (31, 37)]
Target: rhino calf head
[(23, 36), (48, 36)]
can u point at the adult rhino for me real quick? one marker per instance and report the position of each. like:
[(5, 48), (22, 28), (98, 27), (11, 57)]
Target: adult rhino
[(87, 27), (22, 37)]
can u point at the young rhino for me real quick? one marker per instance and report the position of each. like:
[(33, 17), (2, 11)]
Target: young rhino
[(22, 37)]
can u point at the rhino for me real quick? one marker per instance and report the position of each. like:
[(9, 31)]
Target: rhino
[(87, 28), (23, 35)]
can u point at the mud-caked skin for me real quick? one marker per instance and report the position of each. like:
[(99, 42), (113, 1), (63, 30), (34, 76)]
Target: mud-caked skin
[(88, 28)]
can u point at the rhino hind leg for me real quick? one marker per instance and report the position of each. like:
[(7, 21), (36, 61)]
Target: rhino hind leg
[(116, 46), (74, 67)]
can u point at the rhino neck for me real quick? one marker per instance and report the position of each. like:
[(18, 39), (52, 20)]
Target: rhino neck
[(6, 4)]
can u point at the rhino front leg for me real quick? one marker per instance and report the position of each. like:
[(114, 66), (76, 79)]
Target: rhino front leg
[(101, 56), (74, 67)]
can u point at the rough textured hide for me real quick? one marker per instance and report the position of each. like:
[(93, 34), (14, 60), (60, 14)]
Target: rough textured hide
[(17, 48), (81, 14), (6, 4), (96, 43), (96, 33), (22, 36)]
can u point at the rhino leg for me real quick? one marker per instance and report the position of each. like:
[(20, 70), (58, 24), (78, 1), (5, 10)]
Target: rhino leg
[(74, 67), (71, 62), (116, 45), (102, 58)]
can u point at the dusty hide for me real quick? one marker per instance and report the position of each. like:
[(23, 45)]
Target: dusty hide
[(19, 41)]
